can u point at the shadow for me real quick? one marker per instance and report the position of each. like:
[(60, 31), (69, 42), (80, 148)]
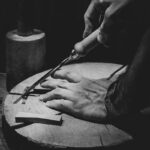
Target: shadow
[(137, 125), (28, 121), (21, 125), (35, 92), (40, 91), (18, 142)]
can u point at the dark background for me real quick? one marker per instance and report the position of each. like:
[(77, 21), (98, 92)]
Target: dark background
[(62, 21)]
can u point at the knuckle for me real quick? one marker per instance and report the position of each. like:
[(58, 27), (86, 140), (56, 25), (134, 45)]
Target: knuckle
[(101, 1), (61, 105), (69, 75), (45, 97), (63, 82), (87, 17), (57, 91)]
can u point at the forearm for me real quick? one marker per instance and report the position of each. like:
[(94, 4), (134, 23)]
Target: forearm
[(137, 79), (130, 93)]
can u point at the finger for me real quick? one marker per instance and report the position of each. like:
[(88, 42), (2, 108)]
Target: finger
[(61, 105), (48, 83), (48, 78), (91, 17), (88, 28), (110, 25), (69, 76), (53, 83), (58, 93)]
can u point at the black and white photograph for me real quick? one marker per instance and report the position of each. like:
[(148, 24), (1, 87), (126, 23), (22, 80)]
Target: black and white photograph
[(74, 74)]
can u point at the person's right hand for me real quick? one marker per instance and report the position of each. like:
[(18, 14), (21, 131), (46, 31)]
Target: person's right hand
[(109, 24)]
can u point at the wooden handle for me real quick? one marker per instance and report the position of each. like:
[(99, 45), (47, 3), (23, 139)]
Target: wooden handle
[(86, 45)]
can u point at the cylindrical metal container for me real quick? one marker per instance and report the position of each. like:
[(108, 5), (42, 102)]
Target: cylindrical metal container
[(24, 56)]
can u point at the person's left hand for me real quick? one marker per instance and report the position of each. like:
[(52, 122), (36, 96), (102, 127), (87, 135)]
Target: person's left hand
[(76, 95)]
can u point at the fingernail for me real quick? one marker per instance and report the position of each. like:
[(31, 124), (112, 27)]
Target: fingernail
[(44, 81), (46, 104), (43, 85)]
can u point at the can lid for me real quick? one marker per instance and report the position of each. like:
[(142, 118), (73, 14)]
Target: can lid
[(37, 34)]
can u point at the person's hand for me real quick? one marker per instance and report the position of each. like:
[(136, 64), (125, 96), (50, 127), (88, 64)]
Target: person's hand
[(104, 11), (76, 95)]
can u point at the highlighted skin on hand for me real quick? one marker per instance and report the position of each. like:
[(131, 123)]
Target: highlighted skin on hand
[(76, 95), (108, 24)]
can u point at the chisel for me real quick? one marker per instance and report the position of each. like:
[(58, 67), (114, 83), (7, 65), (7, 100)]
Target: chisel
[(80, 50)]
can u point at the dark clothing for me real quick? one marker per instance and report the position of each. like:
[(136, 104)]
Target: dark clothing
[(130, 93)]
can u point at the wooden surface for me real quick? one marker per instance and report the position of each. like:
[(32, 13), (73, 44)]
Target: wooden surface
[(47, 118), (73, 132)]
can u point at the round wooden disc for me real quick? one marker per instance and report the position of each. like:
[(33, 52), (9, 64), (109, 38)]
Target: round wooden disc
[(73, 132)]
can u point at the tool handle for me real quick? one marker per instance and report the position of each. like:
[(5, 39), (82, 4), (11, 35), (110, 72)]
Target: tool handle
[(86, 45)]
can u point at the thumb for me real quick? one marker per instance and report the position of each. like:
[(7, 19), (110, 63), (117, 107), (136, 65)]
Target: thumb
[(88, 29)]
